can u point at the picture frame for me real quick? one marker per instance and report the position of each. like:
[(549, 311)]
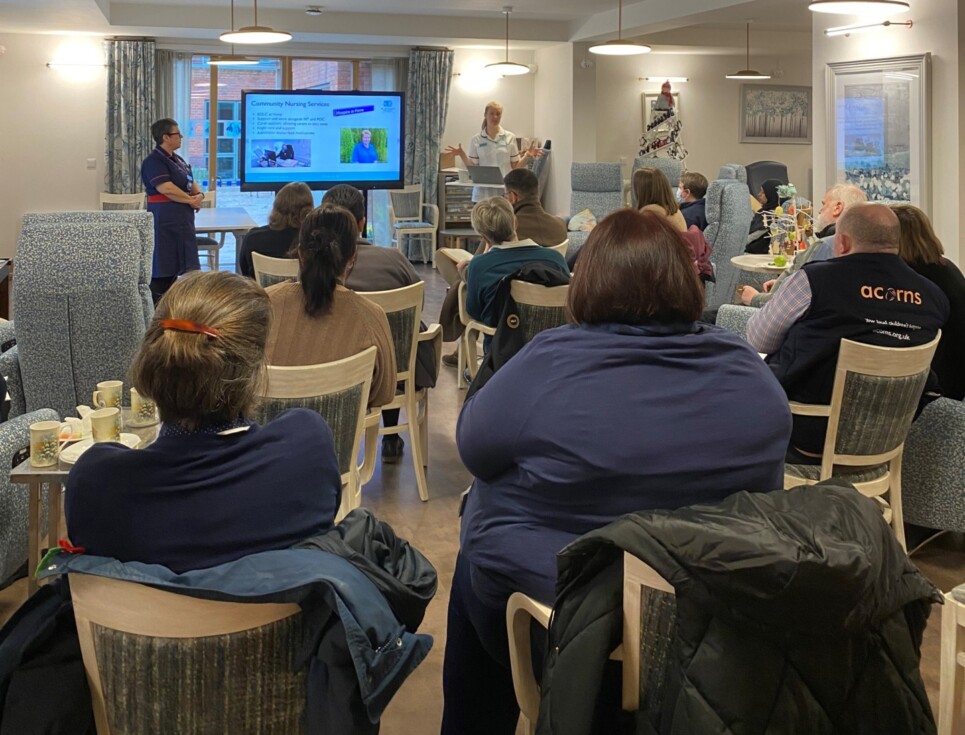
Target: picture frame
[(648, 98), (878, 127), (773, 113)]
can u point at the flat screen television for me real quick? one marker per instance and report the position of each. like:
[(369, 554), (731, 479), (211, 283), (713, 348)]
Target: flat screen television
[(322, 138)]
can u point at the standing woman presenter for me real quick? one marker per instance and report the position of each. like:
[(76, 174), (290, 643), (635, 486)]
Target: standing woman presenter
[(493, 146), (173, 196)]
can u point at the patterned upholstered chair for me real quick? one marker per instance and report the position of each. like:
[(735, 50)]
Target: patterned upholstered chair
[(649, 614), (760, 171), (269, 271), (14, 507), (933, 471), (597, 187), (339, 392), (733, 171), (671, 167), (875, 395), (409, 217), (734, 317), (82, 303), (728, 220), (160, 662), (403, 309)]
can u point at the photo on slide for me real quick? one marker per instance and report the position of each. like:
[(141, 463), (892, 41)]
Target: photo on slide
[(363, 145), (280, 153)]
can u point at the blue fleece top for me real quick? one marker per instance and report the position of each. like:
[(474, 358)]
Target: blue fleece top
[(191, 501), (587, 423)]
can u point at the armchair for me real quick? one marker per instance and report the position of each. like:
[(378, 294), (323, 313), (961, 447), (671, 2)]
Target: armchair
[(760, 171), (671, 167), (597, 187), (728, 220)]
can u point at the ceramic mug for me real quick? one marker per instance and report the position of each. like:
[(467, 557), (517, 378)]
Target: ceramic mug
[(108, 394), (143, 409), (45, 442), (105, 424)]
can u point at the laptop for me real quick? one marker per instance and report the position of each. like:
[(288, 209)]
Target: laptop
[(490, 175)]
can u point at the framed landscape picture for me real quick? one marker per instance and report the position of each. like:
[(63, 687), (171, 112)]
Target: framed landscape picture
[(770, 113), (878, 123)]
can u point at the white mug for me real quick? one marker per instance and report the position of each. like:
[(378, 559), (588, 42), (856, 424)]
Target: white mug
[(108, 394), (143, 409), (105, 424), (45, 442)]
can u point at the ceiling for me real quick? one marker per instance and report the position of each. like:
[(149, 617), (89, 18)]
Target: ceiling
[(394, 23)]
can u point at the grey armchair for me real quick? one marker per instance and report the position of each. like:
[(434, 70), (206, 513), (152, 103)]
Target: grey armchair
[(728, 220), (760, 171), (671, 167), (733, 171), (597, 187), (82, 303), (933, 468)]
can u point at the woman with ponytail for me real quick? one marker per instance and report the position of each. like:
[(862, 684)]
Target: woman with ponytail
[(319, 320)]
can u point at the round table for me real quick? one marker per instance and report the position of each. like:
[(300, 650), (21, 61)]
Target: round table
[(758, 264)]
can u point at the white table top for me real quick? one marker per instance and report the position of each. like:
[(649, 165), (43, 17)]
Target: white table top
[(223, 219), (758, 263)]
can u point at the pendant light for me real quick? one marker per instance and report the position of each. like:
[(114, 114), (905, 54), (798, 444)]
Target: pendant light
[(747, 72), (253, 34), (507, 68), (619, 47), (859, 7), (231, 59)]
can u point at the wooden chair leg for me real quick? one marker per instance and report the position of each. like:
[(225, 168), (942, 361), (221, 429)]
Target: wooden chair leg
[(418, 464), (424, 426), (894, 500), (952, 682)]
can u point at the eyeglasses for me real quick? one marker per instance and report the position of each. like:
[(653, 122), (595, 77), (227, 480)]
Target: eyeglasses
[(177, 133)]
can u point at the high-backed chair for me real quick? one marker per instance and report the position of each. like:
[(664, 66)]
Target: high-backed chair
[(403, 309), (734, 317), (760, 171), (875, 395), (597, 187), (154, 659), (82, 302), (113, 202), (562, 247), (339, 392), (209, 248), (409, 217), (541, 167), (729, 218), (952, 685), (733, 171), (269, 271), (671, 168)]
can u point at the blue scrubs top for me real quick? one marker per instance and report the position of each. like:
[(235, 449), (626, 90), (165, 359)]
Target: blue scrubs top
[(175, 243)]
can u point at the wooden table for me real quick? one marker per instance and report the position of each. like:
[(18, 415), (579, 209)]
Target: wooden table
[(219, 220), (462, 236), (758, 264), (53, 477)]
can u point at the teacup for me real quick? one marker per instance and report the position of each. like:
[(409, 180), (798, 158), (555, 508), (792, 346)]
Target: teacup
[(108, 394), (143, 409), (105, 424), (45, 442)]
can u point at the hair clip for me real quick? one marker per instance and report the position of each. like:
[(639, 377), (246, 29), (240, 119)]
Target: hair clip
[(183, 325)]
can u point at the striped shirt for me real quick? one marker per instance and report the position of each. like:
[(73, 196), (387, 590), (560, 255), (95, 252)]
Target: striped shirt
[(767, 329)]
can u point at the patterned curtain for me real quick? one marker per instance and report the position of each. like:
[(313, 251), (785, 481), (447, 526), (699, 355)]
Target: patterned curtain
[(130, 112), (426, 106)]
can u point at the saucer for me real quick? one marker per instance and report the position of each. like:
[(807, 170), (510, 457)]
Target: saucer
[(134, 423), (70, 454)]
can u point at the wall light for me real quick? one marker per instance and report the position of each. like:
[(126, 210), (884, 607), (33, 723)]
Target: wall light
[(661, 80), (848, 30), (74, 65)]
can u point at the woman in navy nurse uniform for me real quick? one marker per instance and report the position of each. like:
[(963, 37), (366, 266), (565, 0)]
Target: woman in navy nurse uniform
[(173, 196)]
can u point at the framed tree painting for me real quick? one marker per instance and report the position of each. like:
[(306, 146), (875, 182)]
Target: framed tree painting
[(770, 113), (878, 128)]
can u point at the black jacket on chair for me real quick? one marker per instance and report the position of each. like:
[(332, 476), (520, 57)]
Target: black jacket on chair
[(797, 612)]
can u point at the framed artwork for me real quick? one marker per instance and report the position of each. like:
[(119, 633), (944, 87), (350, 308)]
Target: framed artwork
[(878, 127), (648, 98), (771, 113)]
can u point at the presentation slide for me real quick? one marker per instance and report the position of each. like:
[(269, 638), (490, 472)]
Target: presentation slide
[(322, 138)]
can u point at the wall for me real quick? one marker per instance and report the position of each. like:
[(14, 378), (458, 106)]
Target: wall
[(709, 105), (553, 118), (938, 27), (52, 123)]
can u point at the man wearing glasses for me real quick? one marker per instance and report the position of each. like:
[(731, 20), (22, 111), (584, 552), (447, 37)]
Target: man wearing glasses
[(173, 196)]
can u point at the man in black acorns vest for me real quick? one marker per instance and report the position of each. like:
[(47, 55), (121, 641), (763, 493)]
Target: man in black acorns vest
[(865, 293)]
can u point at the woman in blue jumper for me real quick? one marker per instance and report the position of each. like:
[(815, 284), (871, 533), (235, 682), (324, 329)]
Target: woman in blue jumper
[(632, 407), (215, 486)]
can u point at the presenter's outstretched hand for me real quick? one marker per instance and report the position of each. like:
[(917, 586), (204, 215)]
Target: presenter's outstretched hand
[(456, 150), (534, 151)]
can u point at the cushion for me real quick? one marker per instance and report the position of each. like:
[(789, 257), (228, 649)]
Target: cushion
[(582, 221)]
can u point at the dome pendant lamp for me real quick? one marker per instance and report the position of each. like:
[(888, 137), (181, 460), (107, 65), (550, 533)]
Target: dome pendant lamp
[(748, 73), (507, 68), (254, 34), (859, 7), (619, 47)]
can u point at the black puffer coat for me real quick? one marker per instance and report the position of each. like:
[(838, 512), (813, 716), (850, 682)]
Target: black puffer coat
[(797, 612)]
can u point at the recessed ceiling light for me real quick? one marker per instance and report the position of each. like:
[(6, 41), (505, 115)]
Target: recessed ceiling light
[(313, 10)]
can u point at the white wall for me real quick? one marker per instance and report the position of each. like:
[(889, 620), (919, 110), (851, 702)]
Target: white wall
[(709, 107), (52, 123), (553, 118), (938, 27)]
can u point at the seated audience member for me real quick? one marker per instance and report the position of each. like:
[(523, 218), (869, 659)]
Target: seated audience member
[(278, 238), (846, 297), (503, 255), (653, 193), (590, 421), (693, 187), (215, 486), (318, 319), (759, 233), (920, 248), (382, 269), (837, 199)]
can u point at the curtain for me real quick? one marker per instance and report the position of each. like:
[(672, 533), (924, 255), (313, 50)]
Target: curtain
[(130, 112), (173, 79), (426, 106), (390, 75)]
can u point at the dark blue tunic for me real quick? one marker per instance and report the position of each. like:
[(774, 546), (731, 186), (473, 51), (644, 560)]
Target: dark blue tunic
[(175, 243)]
